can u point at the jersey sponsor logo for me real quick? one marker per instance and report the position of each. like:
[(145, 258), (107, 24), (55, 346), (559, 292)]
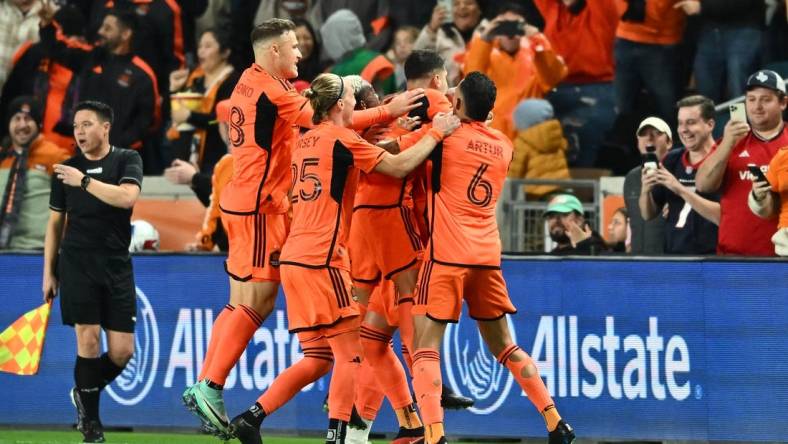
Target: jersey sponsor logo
[(124, 79), (748, 176), (136, 380), (472, 370), (98, 170)]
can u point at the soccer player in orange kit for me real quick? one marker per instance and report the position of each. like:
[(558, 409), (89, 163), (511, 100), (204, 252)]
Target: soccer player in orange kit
[(265, 111), (462, 260), (315, 263)]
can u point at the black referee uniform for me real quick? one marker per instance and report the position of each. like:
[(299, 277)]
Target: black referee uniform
[(94, 266)]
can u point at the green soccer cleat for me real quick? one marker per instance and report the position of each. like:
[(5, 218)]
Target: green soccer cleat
[(205, 426), (209, 406)]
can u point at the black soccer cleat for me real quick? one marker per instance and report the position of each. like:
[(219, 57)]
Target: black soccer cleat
[(454, 401), (245, 432), (92, 431), (409, 436), (563, 434)]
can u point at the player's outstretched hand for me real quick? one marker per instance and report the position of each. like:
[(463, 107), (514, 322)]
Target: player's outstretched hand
[(445, 123), (49, 287), (403, 103)]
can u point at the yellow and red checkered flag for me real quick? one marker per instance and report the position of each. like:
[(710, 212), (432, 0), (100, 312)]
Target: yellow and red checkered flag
[(21, 344)]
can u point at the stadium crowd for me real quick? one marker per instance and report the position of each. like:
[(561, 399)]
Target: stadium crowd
[(580, 84)]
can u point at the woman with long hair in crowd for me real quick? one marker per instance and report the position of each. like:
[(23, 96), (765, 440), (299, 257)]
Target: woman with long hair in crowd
[(197, 145)]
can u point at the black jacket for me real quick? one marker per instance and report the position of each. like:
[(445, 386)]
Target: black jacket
[(125, 83), (733, 12)]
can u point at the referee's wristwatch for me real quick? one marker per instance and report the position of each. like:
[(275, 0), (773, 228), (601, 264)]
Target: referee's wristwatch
[(85, 182)]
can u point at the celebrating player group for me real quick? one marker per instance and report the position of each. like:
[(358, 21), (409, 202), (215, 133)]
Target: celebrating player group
[(378, 217)]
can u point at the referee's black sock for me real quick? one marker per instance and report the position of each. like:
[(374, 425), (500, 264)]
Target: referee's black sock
[(109, 371), (87, 376)]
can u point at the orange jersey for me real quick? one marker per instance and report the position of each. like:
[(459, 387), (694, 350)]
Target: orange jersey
[(377, 190), (264, 114), (325, 167), (465, 177)]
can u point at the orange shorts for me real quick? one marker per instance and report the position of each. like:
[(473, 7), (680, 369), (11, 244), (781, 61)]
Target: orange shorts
[(383, 301), (317, 298), (441, 289), (382, 242), (255, 243)]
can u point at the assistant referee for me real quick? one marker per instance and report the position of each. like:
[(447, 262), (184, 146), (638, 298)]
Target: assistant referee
[(89, 261)]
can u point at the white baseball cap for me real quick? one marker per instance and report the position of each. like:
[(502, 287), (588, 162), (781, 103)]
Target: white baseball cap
[(656, 123)]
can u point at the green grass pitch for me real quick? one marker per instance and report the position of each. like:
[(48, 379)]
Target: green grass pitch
[(69, 437)]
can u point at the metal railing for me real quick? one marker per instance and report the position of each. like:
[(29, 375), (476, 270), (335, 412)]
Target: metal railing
[(520, 216)]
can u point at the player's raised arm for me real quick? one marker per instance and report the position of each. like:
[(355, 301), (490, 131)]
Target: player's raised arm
[(400, 165)]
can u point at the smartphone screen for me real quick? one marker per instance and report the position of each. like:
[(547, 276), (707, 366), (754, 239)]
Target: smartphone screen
[(509, 28), (756, 171), (738, 112)]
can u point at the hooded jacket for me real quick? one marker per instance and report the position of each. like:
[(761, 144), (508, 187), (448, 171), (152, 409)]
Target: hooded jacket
[(540, 153)]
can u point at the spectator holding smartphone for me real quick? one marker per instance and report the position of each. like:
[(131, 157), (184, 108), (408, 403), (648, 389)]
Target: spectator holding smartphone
[(569, 228), (769, 197), (507, 45), (726, 171), (654, 138), (692, 218)]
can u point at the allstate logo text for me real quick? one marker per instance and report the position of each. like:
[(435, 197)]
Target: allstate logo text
[(590, 366)]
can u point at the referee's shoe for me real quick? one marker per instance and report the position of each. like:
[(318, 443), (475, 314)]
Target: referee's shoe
[(92, 430)]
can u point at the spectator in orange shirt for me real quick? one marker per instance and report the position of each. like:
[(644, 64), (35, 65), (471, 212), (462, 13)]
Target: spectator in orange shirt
[(646, 52), (582, 32), (502, 49)]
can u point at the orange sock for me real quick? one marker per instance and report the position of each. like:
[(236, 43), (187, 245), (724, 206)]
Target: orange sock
[(215, 329), (408, 359), (525, 372), (240, 325), (389, 371), (369, 396), (404, 307), (347, 360), (427, 383), (316, 363)]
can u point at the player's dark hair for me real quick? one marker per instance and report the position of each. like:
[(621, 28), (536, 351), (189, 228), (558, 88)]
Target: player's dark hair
[(422, 63), (102, 110), (269, 29), (706, 105), (478, 93)]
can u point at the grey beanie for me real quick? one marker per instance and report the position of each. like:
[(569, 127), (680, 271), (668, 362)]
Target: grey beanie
[(342, 33), (532, 112)]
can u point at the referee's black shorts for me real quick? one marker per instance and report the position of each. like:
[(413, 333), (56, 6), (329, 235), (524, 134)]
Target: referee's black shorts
[(97, 289)]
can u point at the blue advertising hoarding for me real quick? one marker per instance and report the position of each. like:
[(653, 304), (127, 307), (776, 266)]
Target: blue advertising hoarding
[(656, 350)]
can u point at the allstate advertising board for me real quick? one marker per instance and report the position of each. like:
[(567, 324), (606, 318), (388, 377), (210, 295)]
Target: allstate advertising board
[(683, 350)]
